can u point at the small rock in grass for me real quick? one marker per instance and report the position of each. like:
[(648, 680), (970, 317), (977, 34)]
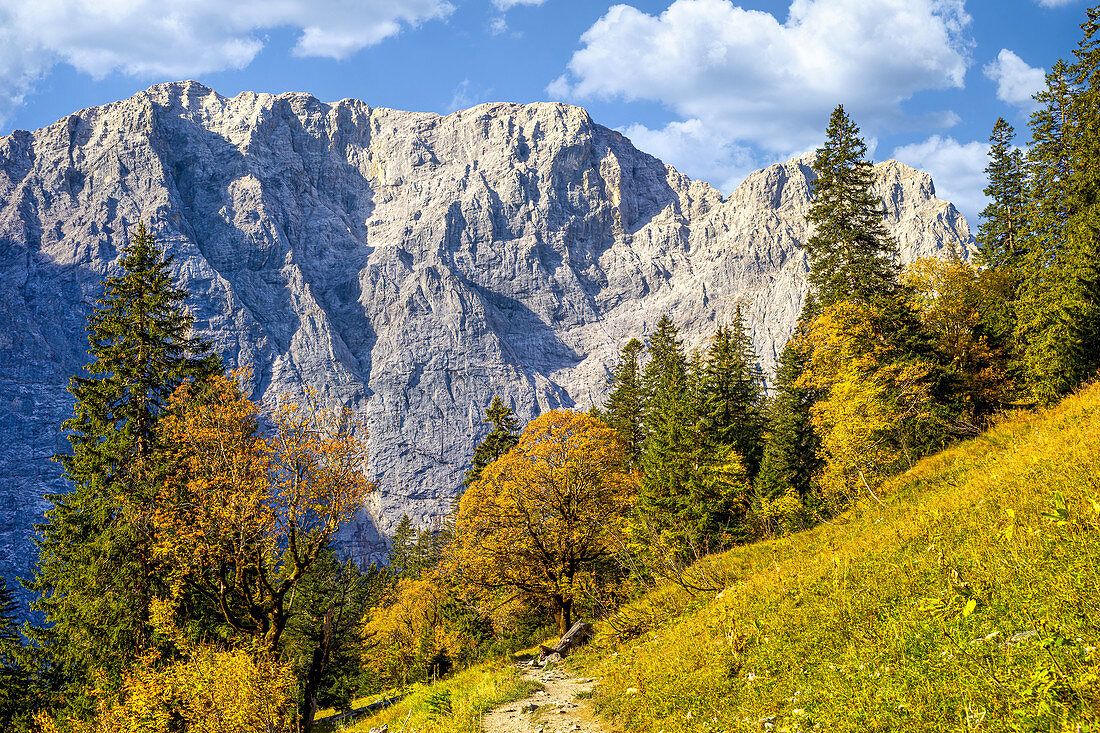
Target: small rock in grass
[(1016, 638)]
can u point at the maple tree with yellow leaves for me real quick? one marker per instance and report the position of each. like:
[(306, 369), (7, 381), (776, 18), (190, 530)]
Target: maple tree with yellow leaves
[(242, 517), (541, 520)]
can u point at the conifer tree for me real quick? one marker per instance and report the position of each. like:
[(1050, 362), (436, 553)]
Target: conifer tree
[(683, 499), (851, 253), (666, 460), (96, 573), (1001, 233), (1059, 311), (732, 394), (15, 693), (625, 406), (400, 556), (791, 454), (504, 435)]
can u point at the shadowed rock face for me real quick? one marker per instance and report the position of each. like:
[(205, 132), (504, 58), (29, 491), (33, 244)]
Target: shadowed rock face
[(407, 266)]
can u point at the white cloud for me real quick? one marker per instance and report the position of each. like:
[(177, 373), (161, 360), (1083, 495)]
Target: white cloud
[(752, 79), (1016, 81), (1055, 3), (508, 4), (957, 169), (467, 95), (152, 38), (697, 151), (498, 25)]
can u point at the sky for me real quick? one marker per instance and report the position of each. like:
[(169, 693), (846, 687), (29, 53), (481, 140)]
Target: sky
[(716, 88)]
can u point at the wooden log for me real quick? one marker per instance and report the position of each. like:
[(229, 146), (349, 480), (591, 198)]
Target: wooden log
[(577, 635)]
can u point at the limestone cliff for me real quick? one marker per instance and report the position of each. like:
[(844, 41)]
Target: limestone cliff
[(406, 265)]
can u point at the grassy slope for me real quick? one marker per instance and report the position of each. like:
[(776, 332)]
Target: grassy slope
[(471, 693), (867, 624)]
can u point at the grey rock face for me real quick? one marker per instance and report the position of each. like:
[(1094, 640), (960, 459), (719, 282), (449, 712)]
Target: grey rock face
[(408, 266)]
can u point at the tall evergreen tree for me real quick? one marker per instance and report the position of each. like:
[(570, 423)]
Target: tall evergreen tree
[(791, 455), (667, 421), (851, 253), (1002, 231), (96, 574), (1058, 320), (671, 455), (16, 700), (625, 406), (500, 440), (733, 396), (402, 541)]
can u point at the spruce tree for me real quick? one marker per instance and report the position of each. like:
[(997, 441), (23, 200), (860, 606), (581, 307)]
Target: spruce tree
[(96, 574), (500, 440), (1059, 311), (791, 455), (733, 396), (400, 556), (851, 253), (1002, 231), (625, 406), (669, 457), (16, 698)]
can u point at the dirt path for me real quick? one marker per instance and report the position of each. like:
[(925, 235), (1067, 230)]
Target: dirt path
[(556, 707)]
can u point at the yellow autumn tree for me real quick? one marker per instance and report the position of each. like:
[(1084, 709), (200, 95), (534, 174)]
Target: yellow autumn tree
[(967, 313), (208, 690), (408, 634), (541, 521), (877, 402), (242, 517)]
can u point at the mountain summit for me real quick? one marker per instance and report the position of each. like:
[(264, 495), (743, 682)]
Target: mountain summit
[(406, 265)]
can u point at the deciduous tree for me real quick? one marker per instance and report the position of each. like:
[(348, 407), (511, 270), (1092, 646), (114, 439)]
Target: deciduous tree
[(542, 518), (241, 518)]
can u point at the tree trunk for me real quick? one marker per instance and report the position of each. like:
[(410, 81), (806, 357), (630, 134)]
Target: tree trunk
[(316, 671), (563, 613)]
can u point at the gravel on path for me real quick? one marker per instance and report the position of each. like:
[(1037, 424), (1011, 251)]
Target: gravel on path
[(553, 709)]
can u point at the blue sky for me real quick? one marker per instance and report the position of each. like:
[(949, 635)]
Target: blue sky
[(713, 87)]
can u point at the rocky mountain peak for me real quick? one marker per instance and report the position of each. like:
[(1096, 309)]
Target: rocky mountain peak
[(408, 266)]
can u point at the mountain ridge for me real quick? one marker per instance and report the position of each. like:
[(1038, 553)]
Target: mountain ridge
[(407, 265)]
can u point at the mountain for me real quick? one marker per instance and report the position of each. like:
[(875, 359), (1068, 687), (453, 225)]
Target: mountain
[(408, 266)]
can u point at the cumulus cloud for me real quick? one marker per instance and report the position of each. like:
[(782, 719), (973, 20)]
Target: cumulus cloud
[(753, 79), (1017, 82), (698, 151), (958, 170), (151, 38)]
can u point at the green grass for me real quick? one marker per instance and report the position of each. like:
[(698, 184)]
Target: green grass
[(906, 616), (453, 705)]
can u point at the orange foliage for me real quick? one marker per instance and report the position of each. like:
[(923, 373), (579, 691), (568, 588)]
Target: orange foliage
[(409, 631), (242, 517), (542, 519)]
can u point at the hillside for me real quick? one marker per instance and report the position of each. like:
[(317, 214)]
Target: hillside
[(969, 600), (408, 266)]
